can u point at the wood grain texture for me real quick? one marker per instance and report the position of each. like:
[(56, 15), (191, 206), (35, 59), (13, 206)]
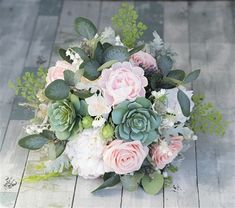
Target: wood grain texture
[(13, 159), (212, 50), (177, 35)]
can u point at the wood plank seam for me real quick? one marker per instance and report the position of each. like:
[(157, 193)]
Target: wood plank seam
[(31, 40)]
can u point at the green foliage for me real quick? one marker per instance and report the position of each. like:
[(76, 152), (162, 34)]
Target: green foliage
[(29, 85), (184, 102), (118, 53), (57, 90), (152, 183), (111, 180), (33, 142), (85, 28), (205, 118), (125, 23), (37, 178)]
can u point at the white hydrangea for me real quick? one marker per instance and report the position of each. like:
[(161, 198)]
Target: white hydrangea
[(85, 152)]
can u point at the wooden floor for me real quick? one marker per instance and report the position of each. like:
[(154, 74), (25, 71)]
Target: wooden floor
[(203, 34)]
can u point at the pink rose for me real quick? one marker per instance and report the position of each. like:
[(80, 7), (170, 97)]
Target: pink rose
[(122, 81), (144, 60), (124, 157), (57, 71), (163, 153)]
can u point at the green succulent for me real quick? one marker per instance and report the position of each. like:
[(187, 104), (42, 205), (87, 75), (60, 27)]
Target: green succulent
[(65, 116), (136, 121)]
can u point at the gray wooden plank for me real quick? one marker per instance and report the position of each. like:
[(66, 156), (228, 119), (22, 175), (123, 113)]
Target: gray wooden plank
[(50, 7), (151, 13), (42, 42), (13, 160), (213, 51), (55, 192), (5, 110), (176, 34)]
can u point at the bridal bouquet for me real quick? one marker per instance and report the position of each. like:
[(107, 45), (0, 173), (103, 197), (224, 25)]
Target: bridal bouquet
[(115, 107)]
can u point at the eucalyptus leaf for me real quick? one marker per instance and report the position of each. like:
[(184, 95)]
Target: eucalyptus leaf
[(98, 54), (83, 94), (184, 103), (57, 90), (69, 77), (85, 27), (33, 142), (90, 70), (112, 181), (136, 49), (59, 148), (129, 182), (192, 76), (177, 74), (165, 64), (106, 45), (152, 184), (107, 65), (119, 53), (48, 134), (62, 53), (81, 53)]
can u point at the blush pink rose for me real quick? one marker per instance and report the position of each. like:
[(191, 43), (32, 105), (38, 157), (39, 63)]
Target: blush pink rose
[(124, 157), (122, 81), (163, 153), (144, 60), (57, 71)]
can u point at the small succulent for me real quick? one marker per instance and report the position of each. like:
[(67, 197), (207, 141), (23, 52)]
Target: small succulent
[(136, 121), (65, 116)]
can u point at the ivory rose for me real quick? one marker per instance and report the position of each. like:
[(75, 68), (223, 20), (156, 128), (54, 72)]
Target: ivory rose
[(123, 81), (97, 105), (124, 157), (144, 60), (163, 153), (57, 71)]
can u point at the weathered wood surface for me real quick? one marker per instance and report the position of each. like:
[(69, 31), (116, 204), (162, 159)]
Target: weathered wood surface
[(202, 33)]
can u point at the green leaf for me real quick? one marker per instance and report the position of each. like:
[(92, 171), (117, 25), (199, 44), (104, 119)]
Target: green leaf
[(76, 102), (136, 49), (118, 53), (90, 70), (107, 65), (98, 54), (62, 53), (177, 74), (85, 27), (153, 183), (129, 182), (57, 90), (50, 135), (184, 102), (33, 142), (165, 64), (59, 148), (192, 76), (112, 181), (69, 77), (81, 53), (106, 45), (83, 94), (155, 80)]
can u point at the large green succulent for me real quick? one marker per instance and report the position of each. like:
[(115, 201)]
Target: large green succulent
[(65, 116), (136, 121)]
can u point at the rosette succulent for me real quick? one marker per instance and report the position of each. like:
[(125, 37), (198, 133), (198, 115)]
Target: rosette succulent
[(136, 121), (65, 116)]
